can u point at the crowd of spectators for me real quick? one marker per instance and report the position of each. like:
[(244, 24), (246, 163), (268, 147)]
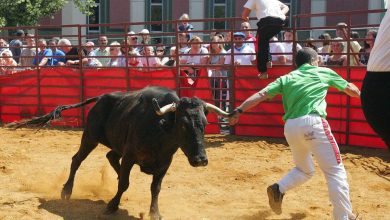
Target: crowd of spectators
[(221, 48)]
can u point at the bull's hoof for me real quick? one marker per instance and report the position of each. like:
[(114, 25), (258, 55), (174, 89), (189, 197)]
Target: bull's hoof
[(66, 193), (111, 208), (155, 216)]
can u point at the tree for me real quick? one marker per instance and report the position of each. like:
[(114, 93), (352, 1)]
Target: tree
[(28, 12)]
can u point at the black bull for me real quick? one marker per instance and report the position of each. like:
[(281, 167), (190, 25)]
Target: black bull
[(137, 130)]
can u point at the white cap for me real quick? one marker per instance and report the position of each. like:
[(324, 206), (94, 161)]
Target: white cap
[(144, 31)]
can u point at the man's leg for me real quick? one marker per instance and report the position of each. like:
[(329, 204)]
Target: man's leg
[(326, 151), (301, 173), (267, 28)]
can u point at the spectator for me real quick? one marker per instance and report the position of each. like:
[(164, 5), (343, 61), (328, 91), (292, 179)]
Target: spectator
[(172, 57), (288, 46), (58, 55), (185, 26), (354, 47), (337, 59), (183, 43), (134, 60), (16, 45), (160, 53), (250, 40), (150, 59), (103, 51), (368, 45), (228, 40), (3, 45), (218, 75), (7, 63), (71, 53), (243, 54), (132, 41), (324, 51), (44, 54), (145, 40), (91, 60), (116, 59), (28, 52), (277, 51), (309, 43), (355, 35), (194, 56)]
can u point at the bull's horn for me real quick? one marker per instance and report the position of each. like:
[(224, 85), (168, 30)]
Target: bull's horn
[(164, 109), (216, 110)]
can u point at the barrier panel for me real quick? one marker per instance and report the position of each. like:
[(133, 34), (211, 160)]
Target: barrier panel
[(345, 115), (31, 93)]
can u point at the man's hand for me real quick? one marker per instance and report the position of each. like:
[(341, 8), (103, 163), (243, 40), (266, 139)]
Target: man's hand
[(234, 116)]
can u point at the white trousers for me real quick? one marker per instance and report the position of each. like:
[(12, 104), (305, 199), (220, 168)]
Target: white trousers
[(309, 135)]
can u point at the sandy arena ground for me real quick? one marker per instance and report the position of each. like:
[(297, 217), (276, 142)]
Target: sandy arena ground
[(35, 165)]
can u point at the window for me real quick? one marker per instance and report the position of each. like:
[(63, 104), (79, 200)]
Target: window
[(156, 14), (219, 11), (94, 18)]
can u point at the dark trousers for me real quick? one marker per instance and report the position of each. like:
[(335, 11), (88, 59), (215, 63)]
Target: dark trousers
[(266, 28), (375, 99)]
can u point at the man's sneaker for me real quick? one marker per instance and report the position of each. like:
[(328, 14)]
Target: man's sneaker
[(275, 198), (263, 75)]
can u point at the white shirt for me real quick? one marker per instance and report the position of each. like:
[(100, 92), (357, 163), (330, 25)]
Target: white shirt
[(241, 55), (266, 8), (288, 49), (380, 54), (276, 47)]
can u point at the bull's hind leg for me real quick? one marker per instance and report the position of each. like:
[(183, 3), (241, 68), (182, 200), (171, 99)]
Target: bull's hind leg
[(123, 183), (86, 146), (113, 157)]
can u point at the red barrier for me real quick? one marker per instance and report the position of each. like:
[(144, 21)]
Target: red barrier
[(344, 114), (23, 97), (30, 93)]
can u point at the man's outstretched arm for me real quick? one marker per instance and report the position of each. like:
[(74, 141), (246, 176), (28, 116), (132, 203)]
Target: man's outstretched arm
[(249, 103), (352, 90)]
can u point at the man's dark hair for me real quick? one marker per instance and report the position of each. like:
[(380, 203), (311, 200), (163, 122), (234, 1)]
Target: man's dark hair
[(305, 55)]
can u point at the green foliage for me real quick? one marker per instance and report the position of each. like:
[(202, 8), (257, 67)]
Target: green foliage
[(28, 12)]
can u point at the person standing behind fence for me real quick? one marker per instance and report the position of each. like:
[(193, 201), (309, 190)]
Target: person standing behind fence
[(376, 84), (103, 52), (16, 45), (272, 16), (44, 55), (28, 52), (307, 131), (185, 26)]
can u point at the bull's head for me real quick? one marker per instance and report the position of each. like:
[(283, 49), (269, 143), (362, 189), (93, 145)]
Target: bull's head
[(190, 122)]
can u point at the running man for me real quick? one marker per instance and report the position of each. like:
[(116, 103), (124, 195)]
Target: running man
[(306, 130), (272, 16)]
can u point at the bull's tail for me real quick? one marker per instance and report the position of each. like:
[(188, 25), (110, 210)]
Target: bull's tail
[(55, 114)]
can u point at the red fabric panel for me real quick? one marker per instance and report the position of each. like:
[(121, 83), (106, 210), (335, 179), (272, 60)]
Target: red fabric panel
[(201, 89), (246, 83), (18, 96), (139, 80)]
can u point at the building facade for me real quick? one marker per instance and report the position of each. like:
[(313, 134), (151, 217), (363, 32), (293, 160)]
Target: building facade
[(124, 11)]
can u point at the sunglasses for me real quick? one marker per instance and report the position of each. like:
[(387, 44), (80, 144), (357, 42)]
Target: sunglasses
[(134, 38), (238, 38), (160, 50)]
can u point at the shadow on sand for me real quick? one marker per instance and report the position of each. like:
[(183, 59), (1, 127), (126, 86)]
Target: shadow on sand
[(82, 209), (265, 215)]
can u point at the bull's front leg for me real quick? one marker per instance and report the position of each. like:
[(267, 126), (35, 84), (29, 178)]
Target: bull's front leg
[(123, 184), (155, 189)]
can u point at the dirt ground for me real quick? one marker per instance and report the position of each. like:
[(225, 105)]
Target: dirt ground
[(34, 166)]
